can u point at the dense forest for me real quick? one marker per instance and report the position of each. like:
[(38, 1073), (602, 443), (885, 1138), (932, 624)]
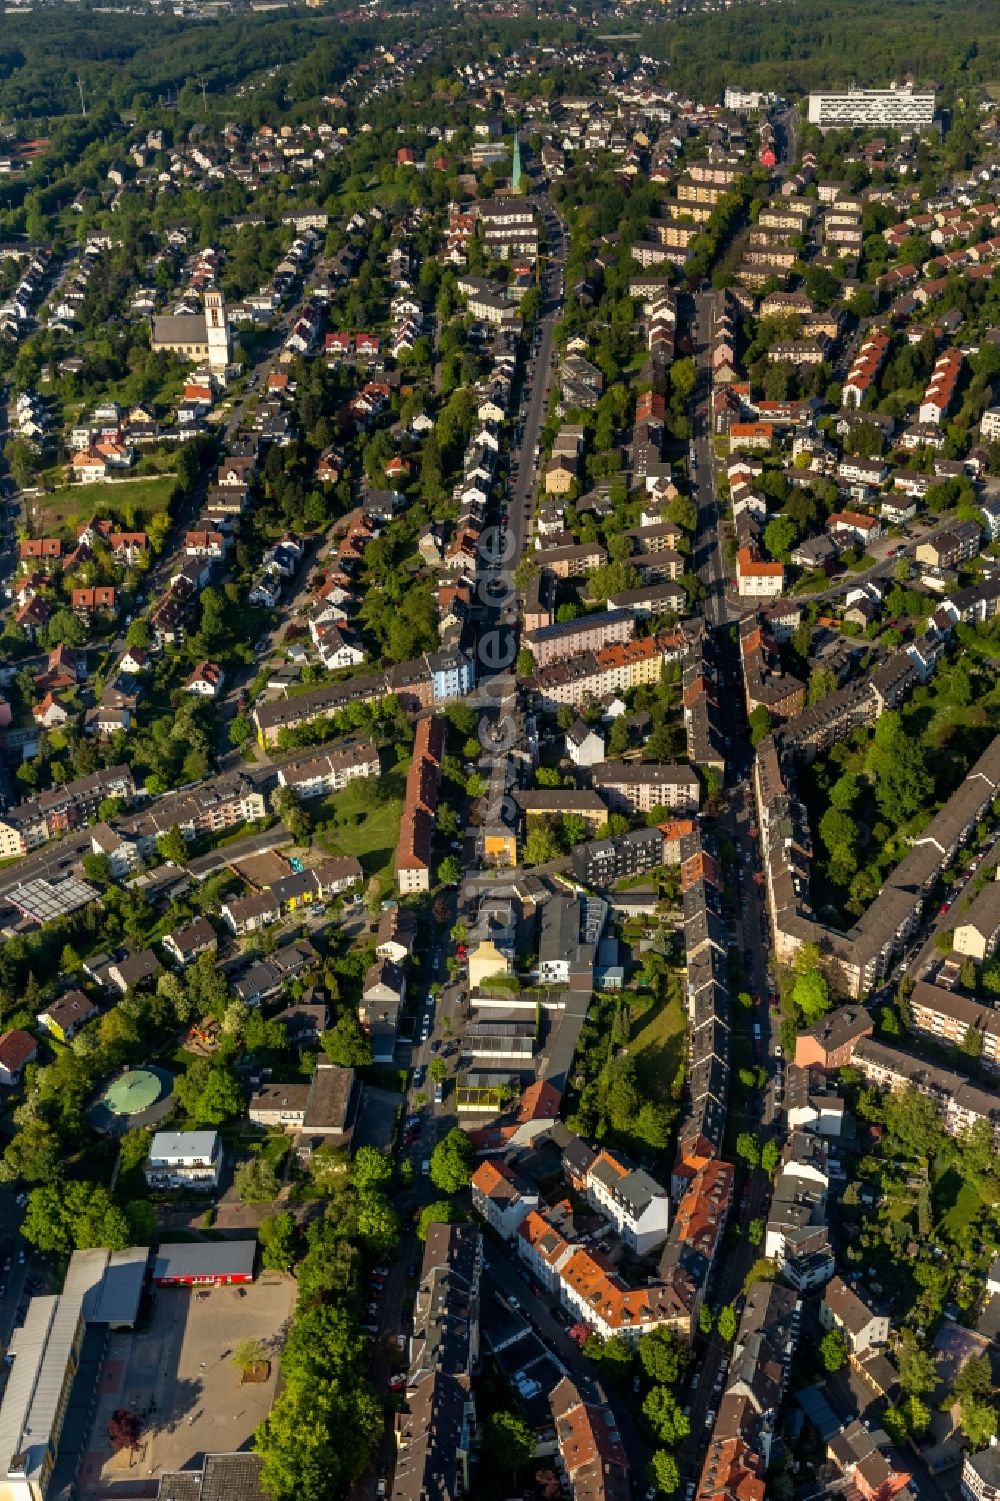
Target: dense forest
[(137, 62), (815, 44)]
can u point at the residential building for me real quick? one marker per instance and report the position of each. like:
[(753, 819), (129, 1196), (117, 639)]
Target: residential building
[(193, 938), (842, 1308), (17, 1048), (638, 786), (981, 1475), (978, 928), (831, 1042), (330, 768), (25, 826), (501, 1198), (953, 547), (64, 1017), (437, 1424), (953, 1019), (591, 1456), (634, 1202), (184, 1159), (584, 746), (416, 833)]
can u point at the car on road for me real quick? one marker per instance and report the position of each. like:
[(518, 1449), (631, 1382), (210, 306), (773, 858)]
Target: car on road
[(419, 1075)]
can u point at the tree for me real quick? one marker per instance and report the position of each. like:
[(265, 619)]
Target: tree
[(760, 724), (371, 1168), (451, 1162), (248, 1356), (664, 1416), (317, 1439), (541, 846), (525, 663), (896, 763), (780, 536), (288, 806), (914, 1122), (172, 846), (438, 1070), (748, 1149), (706, 1319), (755, 1231), (279, 1238), (508, 1443), (833, 1350), (770, 1156), (727, 1322), (662, 1356), (975, 1379), (97, 868), (811, 994), (440, 1212), (74, 1216), (979, 1422), (123, 1429), (256, 1181), (377, 1223), (683, 378), (345, 1044), (141, 1218), (240, 729), (666, 1471), (449, 871), (917, 1372), (139, 634)]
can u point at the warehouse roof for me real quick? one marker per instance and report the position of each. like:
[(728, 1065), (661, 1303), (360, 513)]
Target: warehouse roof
[(224, 1258)]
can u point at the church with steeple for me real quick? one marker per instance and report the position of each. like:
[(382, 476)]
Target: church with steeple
[(197, 336), (515, 175)]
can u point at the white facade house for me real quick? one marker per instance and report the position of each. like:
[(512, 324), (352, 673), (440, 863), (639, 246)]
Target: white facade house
[(843, 1309), (184, 1159), (584, 746), (634, 1202), (500, 1197)]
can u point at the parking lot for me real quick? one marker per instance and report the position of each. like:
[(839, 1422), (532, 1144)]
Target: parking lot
[(177, 1375)]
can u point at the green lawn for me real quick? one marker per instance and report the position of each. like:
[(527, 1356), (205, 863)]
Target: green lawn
[(72, 503), (657, 1045), (957, 1204), (354, 828)]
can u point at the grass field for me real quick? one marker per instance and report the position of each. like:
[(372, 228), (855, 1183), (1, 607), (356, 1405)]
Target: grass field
[(72, 503), (354, 828), (657, 1045), (957, 1205)]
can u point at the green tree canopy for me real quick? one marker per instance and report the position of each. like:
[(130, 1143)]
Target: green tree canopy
[(451, 1162)]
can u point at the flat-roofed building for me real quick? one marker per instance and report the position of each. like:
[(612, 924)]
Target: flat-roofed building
[(214, 1263), (47, 1347), (904, 109), (184, 1159)]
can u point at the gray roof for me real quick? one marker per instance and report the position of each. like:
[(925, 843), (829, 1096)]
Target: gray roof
[(110, 1283), (167, 1144), (180, 328), (33, 1398), (222, 1477), (223, 1258)]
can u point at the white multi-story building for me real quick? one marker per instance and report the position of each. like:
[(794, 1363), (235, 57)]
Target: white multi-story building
[(330, 768), (903, 109), (184, 1159), (634, 1202)]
